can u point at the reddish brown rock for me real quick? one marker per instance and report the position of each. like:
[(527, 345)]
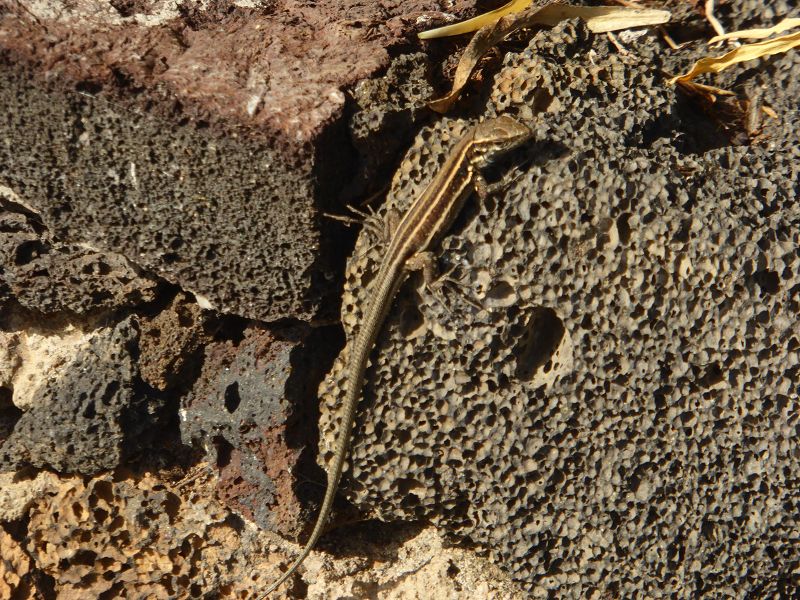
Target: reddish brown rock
[(170, 343), (244, 409)]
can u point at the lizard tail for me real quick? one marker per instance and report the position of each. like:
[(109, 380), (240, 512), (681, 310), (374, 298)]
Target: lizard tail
[(334, 475), (389, 277), (319, 526)]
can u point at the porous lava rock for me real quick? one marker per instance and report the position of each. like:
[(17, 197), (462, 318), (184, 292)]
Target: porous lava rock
[(126, 536), (134, 535), (171, 342), (618, 414), (238, 411), (201, 141), (48, 276), (15, 567), (89, 412)]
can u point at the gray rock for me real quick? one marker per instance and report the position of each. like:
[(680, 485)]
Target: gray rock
[(619, 419), (89, 414)]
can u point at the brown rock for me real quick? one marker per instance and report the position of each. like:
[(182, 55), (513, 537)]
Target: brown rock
[(201, 144), (239, 408), (169, 343), (15, 566)]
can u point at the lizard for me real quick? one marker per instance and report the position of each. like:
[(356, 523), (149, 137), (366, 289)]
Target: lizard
[(426, 220)]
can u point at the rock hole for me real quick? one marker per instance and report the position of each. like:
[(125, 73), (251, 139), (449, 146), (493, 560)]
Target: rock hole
[(768, 282), (116, 523), (224, 452), (232, 397), (110, 391), (536, 348), (100, 515), (89, 88), (28, 251), (9, 413), (452, 569), (172, 505), (89, 412), (84, 557), (712, 376), (411, 321), (185, 319), (102, 490), (542, 100), (624, 228)]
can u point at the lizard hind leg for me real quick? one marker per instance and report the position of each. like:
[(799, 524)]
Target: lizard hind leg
[(381, 230), (369, 220), (435, 282)]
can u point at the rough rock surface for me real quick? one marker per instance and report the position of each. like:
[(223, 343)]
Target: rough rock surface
[(388, 112), (15, 568), (201, 141), (238, 410), (619, 418), (126, 535), (170, 342), (87, 413), (49, 276), (19, 489)]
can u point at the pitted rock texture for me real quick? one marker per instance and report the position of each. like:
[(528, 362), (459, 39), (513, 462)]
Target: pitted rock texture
[(15, 568), (128, 536), (89, 411), (619, 418), (389, 109), (48, 276), (177, 200), (151, 535), (20, 489), (200, 140)]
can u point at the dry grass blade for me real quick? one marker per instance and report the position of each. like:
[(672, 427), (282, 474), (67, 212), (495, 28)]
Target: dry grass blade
[(757, 34), (602, 19), (709, 8), (599, 19), (480, 44), (716, 64)]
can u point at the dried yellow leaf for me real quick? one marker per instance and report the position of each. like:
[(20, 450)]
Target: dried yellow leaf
[(716, 64), (599, 19), (475, 23), (602, 19)]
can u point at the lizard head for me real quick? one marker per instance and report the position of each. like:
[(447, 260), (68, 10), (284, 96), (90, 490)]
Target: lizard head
[(498, 135)]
